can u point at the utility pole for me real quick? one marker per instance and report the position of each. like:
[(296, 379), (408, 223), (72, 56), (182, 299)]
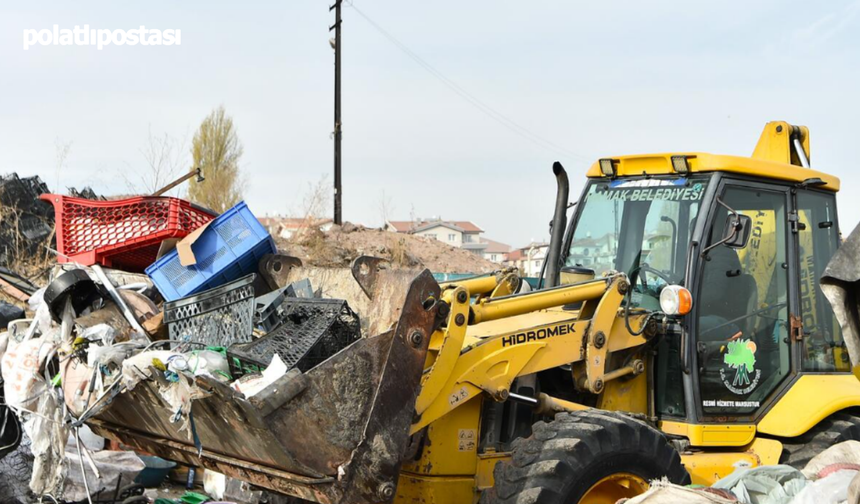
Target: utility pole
[(338, 190)]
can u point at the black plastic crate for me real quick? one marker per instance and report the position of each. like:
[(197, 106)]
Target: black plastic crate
[(311, 331), (221, 316)]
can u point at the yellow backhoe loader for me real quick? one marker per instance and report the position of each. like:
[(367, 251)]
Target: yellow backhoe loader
[(680, 331)]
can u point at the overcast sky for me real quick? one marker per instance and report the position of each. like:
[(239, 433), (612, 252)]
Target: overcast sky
[(582, 80)]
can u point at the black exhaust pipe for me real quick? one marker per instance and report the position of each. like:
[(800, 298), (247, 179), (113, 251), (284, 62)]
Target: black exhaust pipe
[(559, 223)]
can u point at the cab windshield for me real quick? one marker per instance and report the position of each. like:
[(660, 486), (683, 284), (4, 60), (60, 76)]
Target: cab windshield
[(641, 227)]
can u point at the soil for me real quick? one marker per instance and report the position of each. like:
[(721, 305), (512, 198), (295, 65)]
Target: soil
[(339, 246)]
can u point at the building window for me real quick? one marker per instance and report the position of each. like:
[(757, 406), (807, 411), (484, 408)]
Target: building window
[(452, 237), (467, 238)]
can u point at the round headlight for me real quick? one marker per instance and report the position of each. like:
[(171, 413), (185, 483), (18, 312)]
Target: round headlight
[(676, 300)]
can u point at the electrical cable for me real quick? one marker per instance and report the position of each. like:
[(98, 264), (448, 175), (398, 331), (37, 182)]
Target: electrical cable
[(469, 97)]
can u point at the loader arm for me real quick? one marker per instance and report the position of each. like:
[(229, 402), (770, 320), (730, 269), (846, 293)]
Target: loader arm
[(457, 371)]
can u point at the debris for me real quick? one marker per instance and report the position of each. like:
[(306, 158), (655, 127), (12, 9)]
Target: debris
[(124, 234), (228, 248), (217, 317), (75, 285), (832, 489), (14, 286), (114, 468), (268, 307), (48, 432), (310, 331), (14, 279), (86, 193), (839, 283), (193, 498), (8, 313), (25, 222), (215, 484), (209, 362), (846, 452), (154, 472), (663, 492), (764, 485), (250, 385), (118, 299), (233, 335)]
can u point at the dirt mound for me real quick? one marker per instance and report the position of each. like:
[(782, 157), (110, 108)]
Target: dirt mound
[(342, 244)]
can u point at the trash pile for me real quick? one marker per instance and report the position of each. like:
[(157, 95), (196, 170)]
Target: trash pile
[(831, 477), (25, 223), (151, 289)]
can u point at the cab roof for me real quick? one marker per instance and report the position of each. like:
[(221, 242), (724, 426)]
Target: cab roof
[(702, 162)]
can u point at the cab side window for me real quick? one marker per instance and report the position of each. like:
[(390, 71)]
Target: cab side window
[(817, 238), (742, 337)]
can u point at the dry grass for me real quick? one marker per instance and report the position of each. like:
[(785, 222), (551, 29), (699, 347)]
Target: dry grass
[(399, 252), (31, 261), (23, 257)]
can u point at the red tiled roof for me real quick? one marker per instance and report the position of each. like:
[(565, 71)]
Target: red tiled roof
[(468, 226), (515, 255), (407, 226), (494, 247), (401, 226)]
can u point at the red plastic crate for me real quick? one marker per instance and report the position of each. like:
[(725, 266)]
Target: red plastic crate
[(122, 234)]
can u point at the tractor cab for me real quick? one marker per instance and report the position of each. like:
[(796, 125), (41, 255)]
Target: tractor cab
[(725, 252)]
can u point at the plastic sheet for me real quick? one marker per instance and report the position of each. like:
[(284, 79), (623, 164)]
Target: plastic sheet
[(48, 434), (663, 492), (252, 384), (764, 485), (21, 365), (830, 490), (112, 465), (847, 452)]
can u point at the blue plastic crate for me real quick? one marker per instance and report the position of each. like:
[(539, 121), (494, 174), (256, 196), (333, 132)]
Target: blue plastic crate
[(231, 247)]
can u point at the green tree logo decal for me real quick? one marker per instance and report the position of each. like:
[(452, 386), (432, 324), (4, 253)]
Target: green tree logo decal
[(740, 356)]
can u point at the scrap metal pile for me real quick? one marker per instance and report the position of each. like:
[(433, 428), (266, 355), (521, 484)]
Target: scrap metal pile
[(159, 291)]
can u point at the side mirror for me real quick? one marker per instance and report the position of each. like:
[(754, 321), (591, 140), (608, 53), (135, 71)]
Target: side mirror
[(737, 231)]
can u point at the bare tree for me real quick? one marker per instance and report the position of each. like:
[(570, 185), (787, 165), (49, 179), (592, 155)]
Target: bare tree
[(386, 208), (216, 149), (61, 155), (166, 159), (316, 200), (413, 216)]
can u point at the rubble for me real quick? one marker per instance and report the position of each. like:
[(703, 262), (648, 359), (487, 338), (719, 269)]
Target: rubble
[(341, 244), (96, 333)]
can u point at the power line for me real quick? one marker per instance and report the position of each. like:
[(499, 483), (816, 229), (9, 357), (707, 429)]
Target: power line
[(472, 99)]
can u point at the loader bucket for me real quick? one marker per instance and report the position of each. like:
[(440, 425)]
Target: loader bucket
[(841, 285), (334, 434)]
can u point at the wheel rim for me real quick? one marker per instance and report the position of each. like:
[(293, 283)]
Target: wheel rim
[(613, 487)]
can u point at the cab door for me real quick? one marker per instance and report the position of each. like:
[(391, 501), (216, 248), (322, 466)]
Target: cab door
[(744, 303)]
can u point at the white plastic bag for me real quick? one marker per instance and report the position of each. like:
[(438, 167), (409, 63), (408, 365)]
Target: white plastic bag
[(21, 367), (830, 490), (48, 435), (764, 485), (846, 452)]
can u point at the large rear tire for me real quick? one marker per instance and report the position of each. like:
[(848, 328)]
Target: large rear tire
[(834, 429), (587, 457)]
